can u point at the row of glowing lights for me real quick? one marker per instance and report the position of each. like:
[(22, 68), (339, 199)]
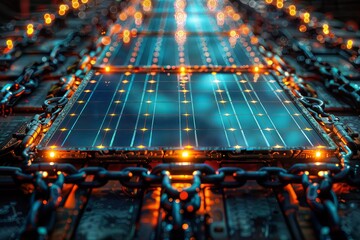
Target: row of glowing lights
[(306, 18), (186, 154)]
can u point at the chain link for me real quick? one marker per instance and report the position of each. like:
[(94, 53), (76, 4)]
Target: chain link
[(179, 204)]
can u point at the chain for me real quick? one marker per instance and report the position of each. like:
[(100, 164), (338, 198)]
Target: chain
[(29, 79), (180, 204)]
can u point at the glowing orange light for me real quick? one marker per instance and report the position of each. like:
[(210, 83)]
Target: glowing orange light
[(306, 17), (292, 10), (326, 29), (183, 195), (318, 154), (63, 7), (75, 4), (146, 4), (123, 16), (349, 44), (107, 69), (106, 40), (185, 226), (126, 33), (256, 69), (232, 33), (269, 1), (138, 15), (126, 39), (52, 154), (115, 28), (302, 28), (9, 44), (185, 154), (30, 29)]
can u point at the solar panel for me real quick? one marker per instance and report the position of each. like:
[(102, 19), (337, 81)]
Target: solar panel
[(174, 111)]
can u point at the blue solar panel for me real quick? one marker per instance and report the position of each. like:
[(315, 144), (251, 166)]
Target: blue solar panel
[(174, 111)]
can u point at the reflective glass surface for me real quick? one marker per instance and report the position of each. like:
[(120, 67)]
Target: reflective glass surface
[(184, 110)]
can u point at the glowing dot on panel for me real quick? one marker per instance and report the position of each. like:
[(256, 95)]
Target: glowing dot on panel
[(219, 90), (121, 91), (271, 81), (278, 146), (87, 91), (260, 114), (92, 81), (253, 101), (52, 154), (185, 154), (232, 129), (243, 81), (112, 114), (222, 101), (297, 114), (141, 146), (150, 91), (63, 129), (216, 81), (72, 115), (247, 90), (152, 81), (117, 102), (81, 101), (100, 146), (146, 114), (318, 154), (125, 81), (53, 146), (187, 129), (227, 114), (279, 90), (213, 73), (149, 101), (127, 73), (185, 101), (237, 146), (287, 101), (268, 129), (184, 90), (307, 129), (189, 146), (143, 129), (107, 129), (186, 114), (107, 69)]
